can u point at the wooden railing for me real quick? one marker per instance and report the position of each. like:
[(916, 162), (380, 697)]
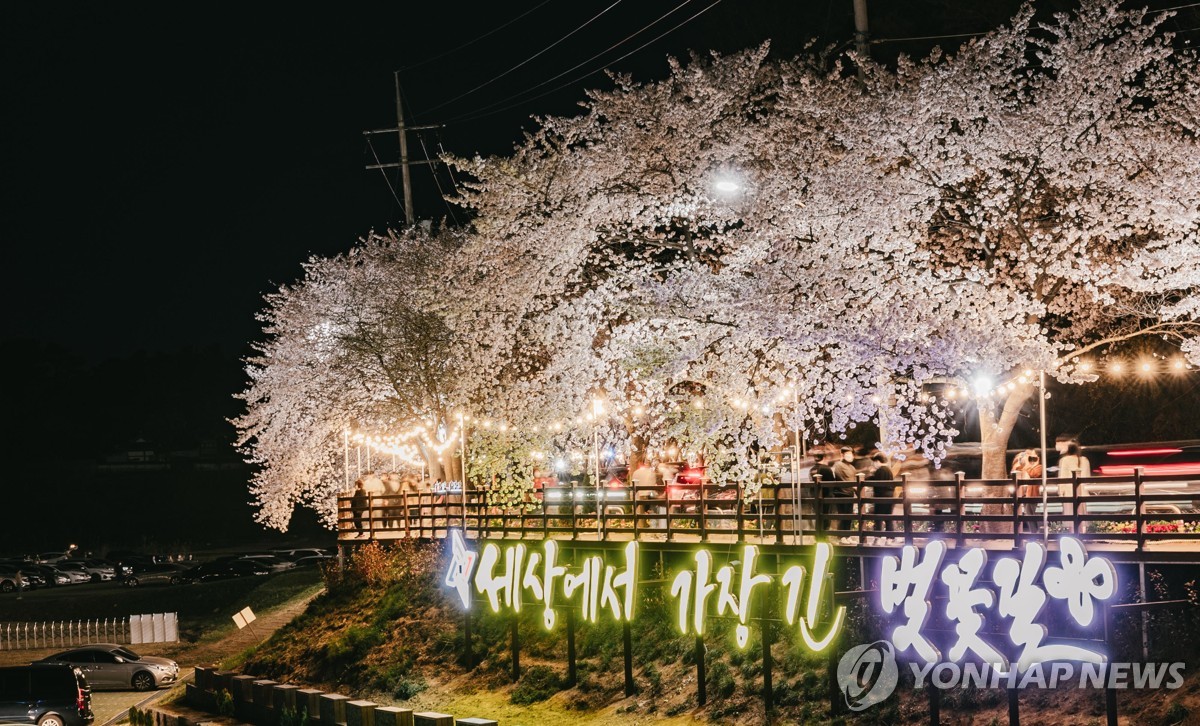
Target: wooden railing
[(1134, 509)]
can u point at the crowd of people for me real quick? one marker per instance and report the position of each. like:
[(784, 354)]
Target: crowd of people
[(844, 465), (394, 484), (850, 485)]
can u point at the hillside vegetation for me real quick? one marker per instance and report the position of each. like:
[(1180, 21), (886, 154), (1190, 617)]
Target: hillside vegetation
[(386, 629)]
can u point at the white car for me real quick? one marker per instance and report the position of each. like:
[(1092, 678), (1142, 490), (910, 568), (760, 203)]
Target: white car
[(75, 577), (95, 572)]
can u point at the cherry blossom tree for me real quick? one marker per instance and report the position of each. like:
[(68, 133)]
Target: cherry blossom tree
[(358, 345), (750, 248), (1013, 207)]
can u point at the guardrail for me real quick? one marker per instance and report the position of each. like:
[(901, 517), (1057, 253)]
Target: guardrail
[(156, 628), (1134, 509)]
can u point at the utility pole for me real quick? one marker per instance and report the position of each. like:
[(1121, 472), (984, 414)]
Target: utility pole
[(401, 130), (861, 29), (408, 205)]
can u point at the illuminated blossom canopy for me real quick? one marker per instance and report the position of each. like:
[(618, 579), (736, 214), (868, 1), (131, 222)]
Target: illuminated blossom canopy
[(751, 247)]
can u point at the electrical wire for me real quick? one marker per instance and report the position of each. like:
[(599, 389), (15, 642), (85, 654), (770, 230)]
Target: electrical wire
[(449, 169), (527, 60), (575, 80), (473, 41), (436, 181), (971, 35), (577, 66), (1177, 7), (384, 173), (927, 37)]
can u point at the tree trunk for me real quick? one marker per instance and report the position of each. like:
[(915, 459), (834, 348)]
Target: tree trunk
[(637, 447), (994, 434)]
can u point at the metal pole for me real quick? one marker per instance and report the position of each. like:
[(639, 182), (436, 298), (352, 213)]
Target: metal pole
[(628, 643), (797, 495), (571, 673), (409, 218), (346, 455), (861, 29), (599, 504), (462, 432), (467, 656), (1045, 463), (516, 650)]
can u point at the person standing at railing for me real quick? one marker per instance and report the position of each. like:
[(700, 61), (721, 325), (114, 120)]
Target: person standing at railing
[(1028, 466), (881, 472), (358, 506), (843, 470), (645, 483), (821, 474), (1070, 464)]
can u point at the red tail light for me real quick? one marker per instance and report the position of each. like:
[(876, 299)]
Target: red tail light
[(80, 699)]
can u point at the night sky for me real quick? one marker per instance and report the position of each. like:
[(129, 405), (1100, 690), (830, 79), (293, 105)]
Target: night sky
[(163, 166)]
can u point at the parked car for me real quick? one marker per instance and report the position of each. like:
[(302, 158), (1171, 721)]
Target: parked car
[(47, 695), (77, 575), (107, 665), (125, 565), (49, 558), (225, 569), (164, 574), (274, 562), (295, 555), (313, 560), (104, 569), (9, 571), (11, 580), (52, 576)]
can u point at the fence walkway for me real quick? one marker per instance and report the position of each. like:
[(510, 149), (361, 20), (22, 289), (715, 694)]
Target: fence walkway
[(156, 628), (1133, 512)]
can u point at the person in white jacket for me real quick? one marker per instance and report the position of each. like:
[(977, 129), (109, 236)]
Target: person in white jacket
[(1070, 464)]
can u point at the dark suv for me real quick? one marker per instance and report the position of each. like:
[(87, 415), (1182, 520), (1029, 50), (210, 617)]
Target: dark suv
[(46, 695)]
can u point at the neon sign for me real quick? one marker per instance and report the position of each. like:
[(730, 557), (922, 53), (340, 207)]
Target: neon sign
[(507, 577), (517, 574), (693, 588), (906, 583)]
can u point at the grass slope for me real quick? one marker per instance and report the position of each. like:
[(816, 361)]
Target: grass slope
[(386, 630)]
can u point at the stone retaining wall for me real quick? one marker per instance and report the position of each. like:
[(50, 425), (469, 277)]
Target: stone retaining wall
[(262, 702)]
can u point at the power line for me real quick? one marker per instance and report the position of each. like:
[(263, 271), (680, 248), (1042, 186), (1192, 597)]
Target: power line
[(449, 168), (577, 79), (1177, 7), (927, 37), (579, 65), (475, 40), (381, 171), (527, 60), (436, 181), (963, 35)]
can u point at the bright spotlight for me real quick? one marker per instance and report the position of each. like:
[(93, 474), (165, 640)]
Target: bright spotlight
[(727, 186), (983, 384)]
